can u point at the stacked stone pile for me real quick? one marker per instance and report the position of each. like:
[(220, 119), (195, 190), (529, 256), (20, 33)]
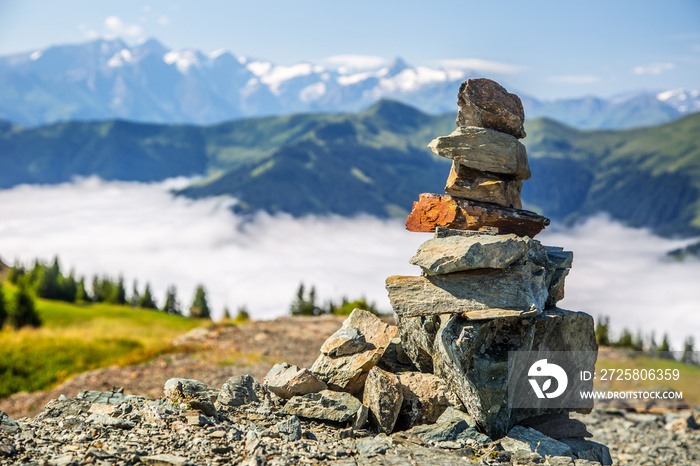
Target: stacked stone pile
[(432, 388), (487, 287)]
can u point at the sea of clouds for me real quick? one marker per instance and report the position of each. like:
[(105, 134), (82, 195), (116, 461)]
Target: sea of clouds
[(144, 233)]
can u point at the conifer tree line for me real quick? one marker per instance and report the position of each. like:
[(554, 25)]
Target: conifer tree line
[(47, 281), (304, 304), (647, 344)]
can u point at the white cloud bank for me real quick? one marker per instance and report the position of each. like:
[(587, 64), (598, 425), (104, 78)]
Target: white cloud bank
[(653, 68), (116, 26), (142, 232), (575, 79), (481, 65)]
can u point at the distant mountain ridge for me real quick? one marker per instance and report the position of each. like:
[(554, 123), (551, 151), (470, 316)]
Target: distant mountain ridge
[(108, 79), (374, 162)]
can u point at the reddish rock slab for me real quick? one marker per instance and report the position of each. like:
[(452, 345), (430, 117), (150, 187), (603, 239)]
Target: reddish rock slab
[(485, 103), (434, 210)]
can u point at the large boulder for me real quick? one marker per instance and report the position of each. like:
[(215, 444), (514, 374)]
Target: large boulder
[(472, 356), (347, 372), (483, 102), (484, 150), (438, 210)]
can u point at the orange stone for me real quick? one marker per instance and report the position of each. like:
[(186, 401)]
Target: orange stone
[(433, 210)]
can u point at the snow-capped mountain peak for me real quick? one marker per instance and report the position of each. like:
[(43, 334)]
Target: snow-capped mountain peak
[(150, 82), (685, 100)]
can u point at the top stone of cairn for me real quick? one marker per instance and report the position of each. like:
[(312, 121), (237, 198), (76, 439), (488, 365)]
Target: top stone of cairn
[(486, 104)]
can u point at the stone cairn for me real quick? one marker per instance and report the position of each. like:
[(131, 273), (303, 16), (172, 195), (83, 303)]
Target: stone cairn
[(487, 287), (433, 384)]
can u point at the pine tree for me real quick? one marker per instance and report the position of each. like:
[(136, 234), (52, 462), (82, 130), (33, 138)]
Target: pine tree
[(118, 293), (602, 334), (3, 307), (199, 308), (97, 295), (664, 350), (302, 306), (146, 300), (47, 284), (171, 305), (68, 288), (16, 272), (652, 344), (24, 311), (81, 295), (625, 340), (242, 315), (135, 296), (688, 351), (227, 313)]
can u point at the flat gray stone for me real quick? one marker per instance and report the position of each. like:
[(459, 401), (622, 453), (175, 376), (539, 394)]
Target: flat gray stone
[(240, 390), (109, 421), (518, 291), (325, 405), (191, 394), (485, 150), (524, 438), (286, 381), (453, 425), (8, 424), (290, 428), (589, 450), (344, 342), (165, 460), (462, 253)]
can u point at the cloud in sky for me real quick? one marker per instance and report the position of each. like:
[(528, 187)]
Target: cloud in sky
[(575, 79), (116, 26), (144, 233), (354, 62), (481, 65), (653, 68)]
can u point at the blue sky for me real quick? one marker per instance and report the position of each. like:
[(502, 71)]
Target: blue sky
[(545, 48)]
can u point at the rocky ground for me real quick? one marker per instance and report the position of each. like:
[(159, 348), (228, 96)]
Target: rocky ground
[(95, 423)]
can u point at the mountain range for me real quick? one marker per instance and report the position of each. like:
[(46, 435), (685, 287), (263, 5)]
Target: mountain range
[(148, 82), (375, 162)]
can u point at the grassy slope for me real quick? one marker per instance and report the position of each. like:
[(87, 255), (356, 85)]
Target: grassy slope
[(688, 381), (76, 338)]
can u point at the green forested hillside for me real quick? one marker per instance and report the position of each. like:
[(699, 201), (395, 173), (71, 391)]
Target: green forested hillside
[(375, 162), (647, 177)]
